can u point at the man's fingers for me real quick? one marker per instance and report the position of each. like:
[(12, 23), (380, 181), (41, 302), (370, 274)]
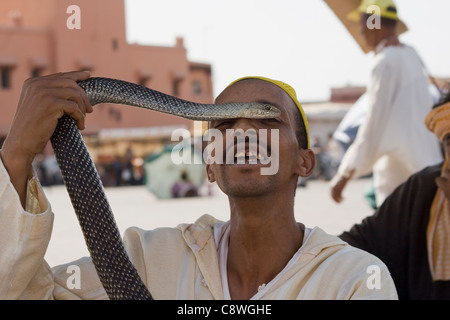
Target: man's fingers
[(336, 195), (76, 95), (72, 109), (337, 187), (73, 75), (78, 75), (337, 199), (69, 82), (42, 102)]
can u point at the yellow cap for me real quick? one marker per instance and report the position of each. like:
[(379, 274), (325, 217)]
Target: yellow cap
[(386, 9), (290, 91)]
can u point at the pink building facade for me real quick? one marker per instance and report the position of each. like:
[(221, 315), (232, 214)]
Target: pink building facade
[(41, 37)]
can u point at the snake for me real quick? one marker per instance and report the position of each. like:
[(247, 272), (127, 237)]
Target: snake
[(116, 272)]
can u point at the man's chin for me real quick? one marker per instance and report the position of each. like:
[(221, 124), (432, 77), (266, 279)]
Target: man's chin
[(246, 181)]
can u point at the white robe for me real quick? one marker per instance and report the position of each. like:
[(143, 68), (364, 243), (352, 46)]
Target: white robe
[(393, 141), (174, 263)]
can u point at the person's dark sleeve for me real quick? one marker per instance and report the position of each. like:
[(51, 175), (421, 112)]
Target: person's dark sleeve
[(389, 226), (396, 232)]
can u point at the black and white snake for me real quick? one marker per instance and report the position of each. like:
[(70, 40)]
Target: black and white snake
[(115, 270)]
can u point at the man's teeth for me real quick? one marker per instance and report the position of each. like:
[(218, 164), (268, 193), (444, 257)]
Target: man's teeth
[(248, 154)]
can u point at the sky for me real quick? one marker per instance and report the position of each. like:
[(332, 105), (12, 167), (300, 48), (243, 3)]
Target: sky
[(300, 42)]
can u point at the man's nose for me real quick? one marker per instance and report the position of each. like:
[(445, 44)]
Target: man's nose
[(245, 124), (244, 128), (242, 138)]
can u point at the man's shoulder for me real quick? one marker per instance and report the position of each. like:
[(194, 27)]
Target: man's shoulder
[(396, 56), (204, 221), (424, 179), (195, 233), (430, 171), (318, 240)]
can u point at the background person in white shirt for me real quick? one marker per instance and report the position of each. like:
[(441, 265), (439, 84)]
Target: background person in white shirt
[(392, 141)]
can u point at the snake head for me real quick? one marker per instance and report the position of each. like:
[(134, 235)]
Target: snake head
[(256, 110)]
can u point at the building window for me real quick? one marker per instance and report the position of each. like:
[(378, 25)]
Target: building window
[(196, 87), (5, 77), (115, 114), (143, 81), (176, 87), (36, 72), (115, 44)]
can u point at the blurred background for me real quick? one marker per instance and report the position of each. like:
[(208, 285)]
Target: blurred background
[(192, 49)]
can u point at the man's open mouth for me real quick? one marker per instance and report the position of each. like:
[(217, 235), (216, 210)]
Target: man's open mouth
[(249, 157), (247, 154)]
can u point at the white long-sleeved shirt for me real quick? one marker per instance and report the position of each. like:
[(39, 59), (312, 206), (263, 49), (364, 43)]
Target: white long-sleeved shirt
[(174, 263), (393, 141)]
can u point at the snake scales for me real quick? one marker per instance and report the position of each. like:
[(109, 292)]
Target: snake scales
[(115, 270)]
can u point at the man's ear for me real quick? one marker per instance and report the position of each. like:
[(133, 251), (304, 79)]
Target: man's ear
[(307, 163), (210, 173)]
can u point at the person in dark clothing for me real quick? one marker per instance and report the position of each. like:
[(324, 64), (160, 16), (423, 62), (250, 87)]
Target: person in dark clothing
[(409, 232)]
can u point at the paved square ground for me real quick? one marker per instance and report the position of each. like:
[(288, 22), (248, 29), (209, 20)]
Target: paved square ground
[(136, 206)]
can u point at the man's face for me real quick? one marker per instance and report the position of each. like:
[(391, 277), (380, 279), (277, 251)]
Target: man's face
[(369, 35), (443, 181), (446, 145), (245, 178)]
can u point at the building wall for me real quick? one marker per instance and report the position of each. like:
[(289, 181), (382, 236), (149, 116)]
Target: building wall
[(15, 55), (34, 36)]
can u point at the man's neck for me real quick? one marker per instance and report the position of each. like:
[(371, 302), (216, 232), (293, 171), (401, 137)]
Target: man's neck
[(262, 241), (389, 41)]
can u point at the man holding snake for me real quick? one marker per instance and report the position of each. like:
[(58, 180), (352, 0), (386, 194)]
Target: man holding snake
[(262, 252)]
